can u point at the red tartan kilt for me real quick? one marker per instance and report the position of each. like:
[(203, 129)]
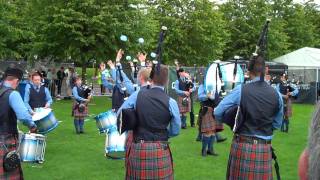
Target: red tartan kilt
[(219, 126), (208, 123), (149, 161), (129, 141), (10, 142), (75, 111), (249, 161), (182, 108)]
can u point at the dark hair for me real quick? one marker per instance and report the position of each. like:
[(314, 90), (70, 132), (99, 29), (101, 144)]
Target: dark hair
[(36, 73), (161, 77), (257, 65)]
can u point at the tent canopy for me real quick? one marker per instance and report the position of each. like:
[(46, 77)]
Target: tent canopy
[(304, 57)]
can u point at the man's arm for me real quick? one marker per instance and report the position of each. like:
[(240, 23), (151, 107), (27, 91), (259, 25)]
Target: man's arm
[(202, 96), (279, 116), (48, 97), (129, 103), (27, 98), (176, 88), (175, 123), (16, 103), (76, 95)]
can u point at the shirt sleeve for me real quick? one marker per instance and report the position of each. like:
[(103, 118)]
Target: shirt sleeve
[(48, 96), (21, 111), (279, 116), (27, 97), (295, 92), (76, 95), (175, 123), (176, 88), (230, 100), (202, 96), (128, 83), (129, 103)]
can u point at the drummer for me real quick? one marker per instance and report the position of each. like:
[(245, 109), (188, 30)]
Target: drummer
[(158, 120), (80, 106), (12, 108), (36, 95)]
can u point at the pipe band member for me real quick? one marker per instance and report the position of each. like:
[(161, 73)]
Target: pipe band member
[(287, 91), (12, 108), (183, 88), (36, 95), (208, 122), (158, 119), (80, 106), (261, 112)]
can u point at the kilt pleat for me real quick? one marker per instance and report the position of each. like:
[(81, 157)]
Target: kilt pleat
[(208, 123), (184, 108), (250, 162), (75, 111), (11, 143), (149, 161)]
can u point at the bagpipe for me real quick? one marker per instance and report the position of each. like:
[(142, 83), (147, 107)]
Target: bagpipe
[(87, 91), (231, 115)]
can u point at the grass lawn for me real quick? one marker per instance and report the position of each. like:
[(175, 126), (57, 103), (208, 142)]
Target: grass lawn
[(70, 156)]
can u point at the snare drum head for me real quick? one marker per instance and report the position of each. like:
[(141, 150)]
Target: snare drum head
[(41, 113), (106, 120), (212, 81), (227, 75)]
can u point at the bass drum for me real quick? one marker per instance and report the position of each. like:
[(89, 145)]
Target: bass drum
[(212, 82), (228, 78)]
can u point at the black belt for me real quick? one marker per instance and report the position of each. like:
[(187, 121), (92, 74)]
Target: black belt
[(250, 139), (143, 141)]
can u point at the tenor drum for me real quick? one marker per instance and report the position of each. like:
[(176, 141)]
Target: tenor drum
[(45, 120), (115, 144), (228, 78), (32, 148), (106, 121), (212, 82)]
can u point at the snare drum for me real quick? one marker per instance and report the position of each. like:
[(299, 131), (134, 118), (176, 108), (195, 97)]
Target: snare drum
[(228, 77), (32, 148), (212, 82), (106, 121), (115, 144), (45, 120)]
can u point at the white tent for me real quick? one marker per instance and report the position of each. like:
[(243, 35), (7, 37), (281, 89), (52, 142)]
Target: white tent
[(304, 57)]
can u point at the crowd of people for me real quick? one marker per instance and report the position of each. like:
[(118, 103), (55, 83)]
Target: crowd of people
[(260, 108)]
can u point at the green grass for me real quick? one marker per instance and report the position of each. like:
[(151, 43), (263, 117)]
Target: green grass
[(70, 156)]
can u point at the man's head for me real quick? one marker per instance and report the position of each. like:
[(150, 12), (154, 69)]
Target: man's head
[(143, 76), (160, 78), (256, 67), (78, 81), (181, 72), (13, 76), (36, 78), (283, 77), (102, 66)]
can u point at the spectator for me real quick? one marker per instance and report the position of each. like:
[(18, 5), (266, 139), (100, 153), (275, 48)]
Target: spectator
[(60, 76)]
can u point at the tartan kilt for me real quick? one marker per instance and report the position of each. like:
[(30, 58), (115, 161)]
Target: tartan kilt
[(208, 123), (149, 161), (75, 111), (182, 108), (288, 108), (129, 141), (250, 161), (11, 142)]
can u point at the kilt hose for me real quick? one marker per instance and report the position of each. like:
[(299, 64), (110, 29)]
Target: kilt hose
[(11, 142), (149, 160), (208, 123), (250, 161), (184, 108), (288, 108), (79, 115)]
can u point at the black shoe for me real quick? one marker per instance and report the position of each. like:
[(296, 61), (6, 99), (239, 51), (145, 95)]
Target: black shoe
[(204, 153), (184, 127), (212, 153), (81, 132), (221, 140), (198, 138)]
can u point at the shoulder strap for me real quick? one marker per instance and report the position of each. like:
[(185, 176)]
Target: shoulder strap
[(3, 90)]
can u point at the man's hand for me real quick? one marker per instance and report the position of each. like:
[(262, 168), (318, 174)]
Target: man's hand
[(33, 129), (110, 64), (119, 55), (187, 93), (142, 57), (47, 106)]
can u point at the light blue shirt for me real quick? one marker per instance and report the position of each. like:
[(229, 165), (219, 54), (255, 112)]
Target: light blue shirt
[(202, 95), (175, 123), (105, 74), (27, 95), (76, 95), (21, 111), (294, 93), (234, 97), (180, 92), (126, 81)]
